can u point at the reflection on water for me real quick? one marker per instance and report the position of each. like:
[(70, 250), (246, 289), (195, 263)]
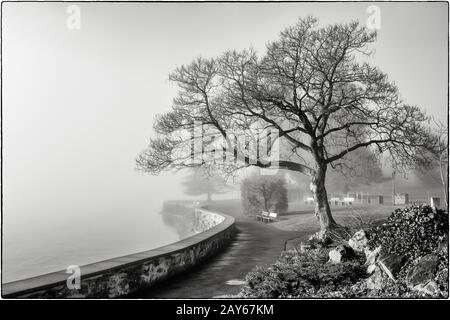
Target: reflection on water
[(180, 218)]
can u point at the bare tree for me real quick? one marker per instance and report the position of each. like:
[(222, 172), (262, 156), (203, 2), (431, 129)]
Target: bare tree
[(202, 182), (268, 193), (314, 86)]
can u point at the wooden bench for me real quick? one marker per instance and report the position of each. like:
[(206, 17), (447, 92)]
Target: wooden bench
[(267, 216), (261, 215)]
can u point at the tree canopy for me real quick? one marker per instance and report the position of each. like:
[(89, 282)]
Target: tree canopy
[(264, 193), (314, 85)]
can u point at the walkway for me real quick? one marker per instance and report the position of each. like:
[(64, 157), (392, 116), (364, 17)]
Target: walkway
[(255, 243)]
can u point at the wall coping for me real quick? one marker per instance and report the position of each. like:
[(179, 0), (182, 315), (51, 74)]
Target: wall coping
[(41, 282)]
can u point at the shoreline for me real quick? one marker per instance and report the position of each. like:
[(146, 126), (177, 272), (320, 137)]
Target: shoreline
[(122, 275)]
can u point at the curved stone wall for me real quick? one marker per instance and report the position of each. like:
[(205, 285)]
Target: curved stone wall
[(127, 274)]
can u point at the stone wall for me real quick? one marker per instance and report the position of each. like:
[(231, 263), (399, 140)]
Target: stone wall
[(205, 220), (125, 275), (187, 220)]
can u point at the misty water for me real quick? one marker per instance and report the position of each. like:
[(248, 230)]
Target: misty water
[(54, 237)]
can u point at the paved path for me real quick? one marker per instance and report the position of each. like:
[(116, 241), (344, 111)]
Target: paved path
[(255, 243)]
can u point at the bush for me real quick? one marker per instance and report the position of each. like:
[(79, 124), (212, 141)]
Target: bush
[(441, 277), (302, 275), (264, 193), (413, 231)]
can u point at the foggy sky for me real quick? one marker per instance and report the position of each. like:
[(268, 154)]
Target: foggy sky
[(78, 105)]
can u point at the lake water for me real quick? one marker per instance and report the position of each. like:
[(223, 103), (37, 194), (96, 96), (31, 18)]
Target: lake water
[(49, 246), (53, 230)]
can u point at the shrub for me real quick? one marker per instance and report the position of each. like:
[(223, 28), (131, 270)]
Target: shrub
[(264, 193), (302, 275), (412, 231), (441, 277), (318, 241)]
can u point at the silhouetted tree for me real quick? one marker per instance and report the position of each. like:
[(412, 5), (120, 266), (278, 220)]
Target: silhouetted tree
[(264, 193), (314, 85)]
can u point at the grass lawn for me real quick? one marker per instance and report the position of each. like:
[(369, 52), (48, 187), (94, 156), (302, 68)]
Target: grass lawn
[(300, 217)]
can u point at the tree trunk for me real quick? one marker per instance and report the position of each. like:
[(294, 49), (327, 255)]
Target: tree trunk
[(209, 196), (322, 209), (266, 207)]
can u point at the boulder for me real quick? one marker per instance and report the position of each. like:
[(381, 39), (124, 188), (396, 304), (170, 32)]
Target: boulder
[(391, 264), (443, 244), (423, 271), (371, 268), (359, 241), (371, 256), (341, 253), (375, 281), (430, 288)]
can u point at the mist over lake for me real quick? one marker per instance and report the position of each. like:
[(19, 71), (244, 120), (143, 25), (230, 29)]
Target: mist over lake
[(48, 234)]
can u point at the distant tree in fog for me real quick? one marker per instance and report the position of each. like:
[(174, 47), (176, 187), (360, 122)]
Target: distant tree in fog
[(264, 193), (201, 182), (314, 85)]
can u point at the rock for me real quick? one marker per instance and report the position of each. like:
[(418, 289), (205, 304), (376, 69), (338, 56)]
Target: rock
[(359, 241), (371, 256), (371, 268), (341, 253), (375, 281), (423, 271), (391, 264), (430, 288), (443, 244)]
